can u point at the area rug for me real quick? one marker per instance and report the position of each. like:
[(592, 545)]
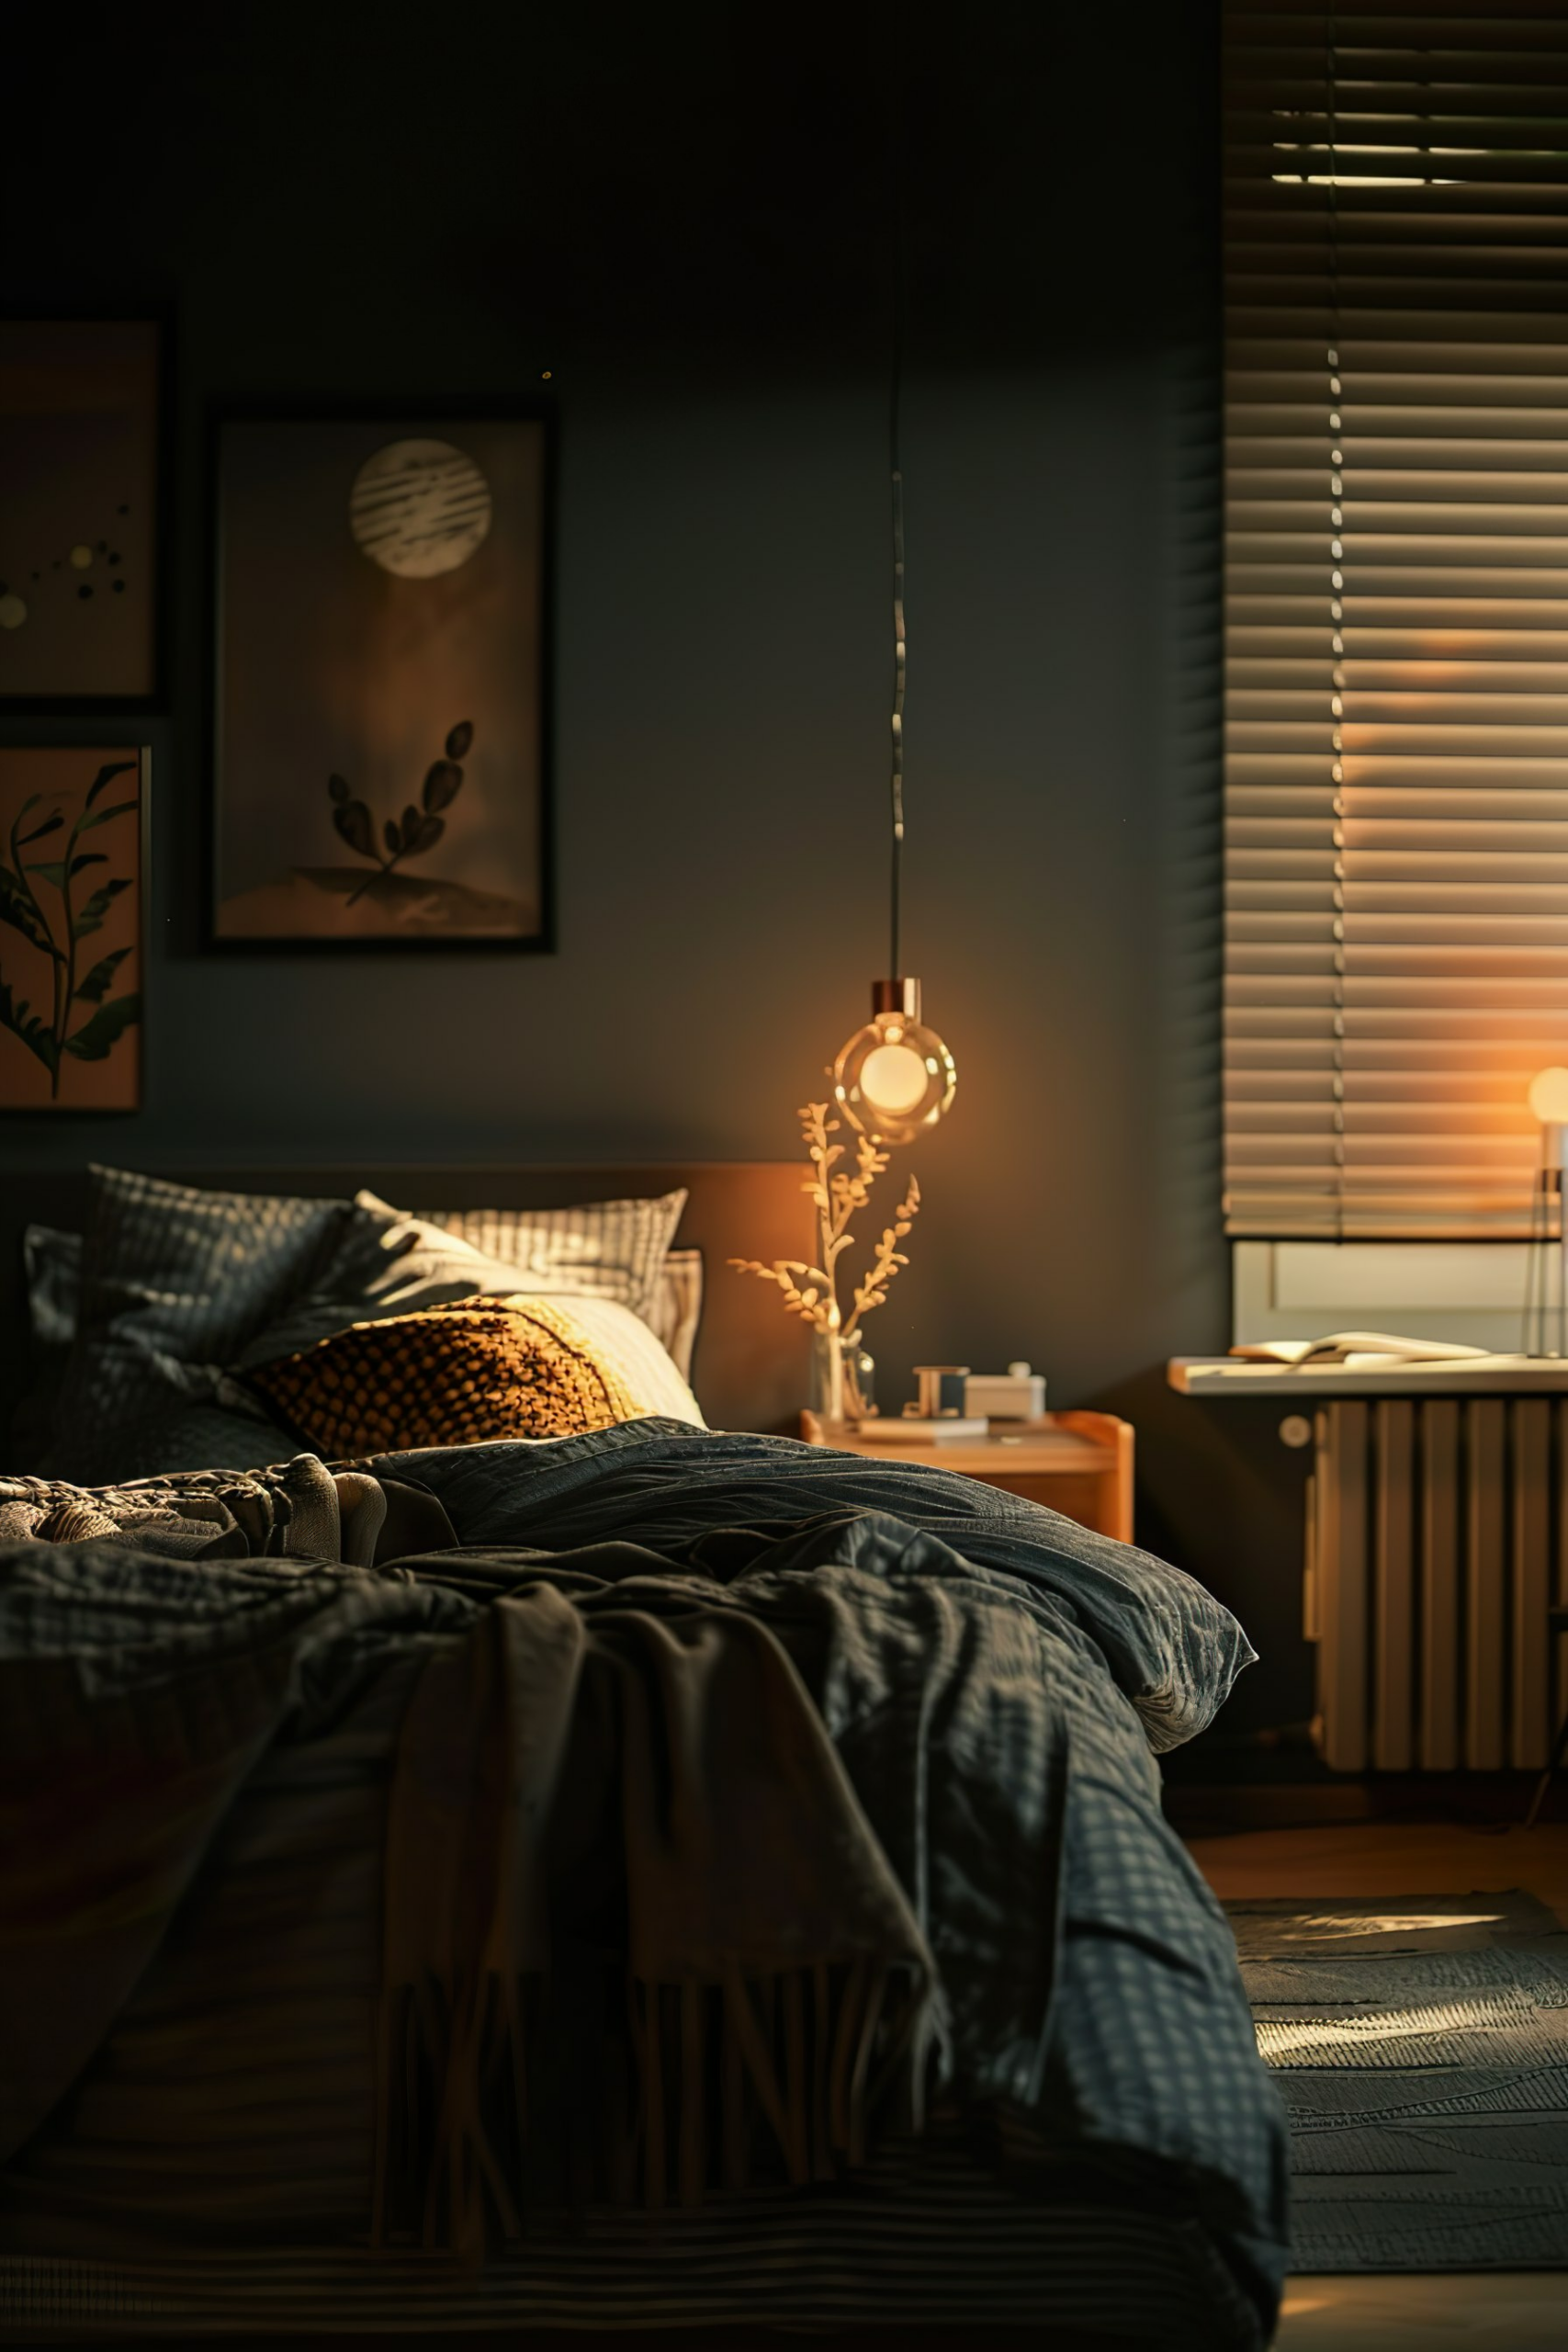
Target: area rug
[(1421, 2048)]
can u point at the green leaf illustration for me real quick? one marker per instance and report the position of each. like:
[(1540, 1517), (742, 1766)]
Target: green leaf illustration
[(88, 857), (442, 783), (419, 829), (90, 914), (23, 1023), (17, 910), (352, 818), (96, 987), (50, 825), (52, 871), (107, 776), (96, 1038), (102, 816)]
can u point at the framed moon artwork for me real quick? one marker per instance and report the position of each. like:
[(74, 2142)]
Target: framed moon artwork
[(84, 469), (380, 681)]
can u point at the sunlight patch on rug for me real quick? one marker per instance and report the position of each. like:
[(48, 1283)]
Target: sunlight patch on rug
[(1421, 2050)]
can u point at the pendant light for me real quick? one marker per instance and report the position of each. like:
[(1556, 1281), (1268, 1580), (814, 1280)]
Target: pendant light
[(895, 1076)]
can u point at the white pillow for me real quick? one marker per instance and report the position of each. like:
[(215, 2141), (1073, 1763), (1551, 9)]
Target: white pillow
[(595, 1250), (623, 1344)]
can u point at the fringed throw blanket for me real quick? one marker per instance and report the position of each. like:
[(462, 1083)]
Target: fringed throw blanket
[(640, 1937)]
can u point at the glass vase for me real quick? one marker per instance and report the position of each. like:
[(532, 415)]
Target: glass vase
[(843, 1378)]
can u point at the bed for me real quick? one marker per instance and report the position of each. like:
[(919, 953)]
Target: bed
[(652, 1878)]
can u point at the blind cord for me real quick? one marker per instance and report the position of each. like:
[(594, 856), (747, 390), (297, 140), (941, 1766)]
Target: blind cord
[(1337, 615)]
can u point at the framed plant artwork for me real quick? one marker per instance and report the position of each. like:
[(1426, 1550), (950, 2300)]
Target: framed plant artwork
[(73, 841), (382, 680), (84, 456)]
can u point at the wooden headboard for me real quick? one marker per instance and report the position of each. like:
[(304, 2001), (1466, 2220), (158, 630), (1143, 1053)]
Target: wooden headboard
[(749, 1370)]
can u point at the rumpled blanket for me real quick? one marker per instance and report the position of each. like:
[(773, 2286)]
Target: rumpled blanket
[(150, 1649), (984, 1679), (300, 1509), (1171, 1648), (638, 1929)]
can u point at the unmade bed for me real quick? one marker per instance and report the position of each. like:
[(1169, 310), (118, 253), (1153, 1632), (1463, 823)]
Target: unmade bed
[(638, 1879), (232, 1771)]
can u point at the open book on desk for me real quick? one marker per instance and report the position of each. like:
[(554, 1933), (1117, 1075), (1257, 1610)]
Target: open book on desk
[(1366, 1363), (1357, 1350)]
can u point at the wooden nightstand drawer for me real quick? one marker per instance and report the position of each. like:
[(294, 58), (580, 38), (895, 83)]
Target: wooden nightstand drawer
[(1079, 1463)]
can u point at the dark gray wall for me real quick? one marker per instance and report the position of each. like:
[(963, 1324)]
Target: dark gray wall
[(691, 236)]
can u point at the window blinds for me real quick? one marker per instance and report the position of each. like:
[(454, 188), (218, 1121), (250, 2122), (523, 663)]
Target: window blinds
[(1396, 610)]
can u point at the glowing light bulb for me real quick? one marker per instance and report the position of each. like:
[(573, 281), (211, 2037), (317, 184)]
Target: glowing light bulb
[(893, 1079), (895, 1076), (1548, 1096)]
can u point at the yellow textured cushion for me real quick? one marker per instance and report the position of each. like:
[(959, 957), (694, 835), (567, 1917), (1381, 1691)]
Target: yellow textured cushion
[(457, 1375)]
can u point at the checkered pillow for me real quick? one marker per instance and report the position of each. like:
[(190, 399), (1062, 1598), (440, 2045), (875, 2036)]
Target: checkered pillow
[(678, 1308), (175, 1282)]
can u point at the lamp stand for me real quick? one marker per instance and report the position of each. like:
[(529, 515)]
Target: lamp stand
[(1545, 1289)]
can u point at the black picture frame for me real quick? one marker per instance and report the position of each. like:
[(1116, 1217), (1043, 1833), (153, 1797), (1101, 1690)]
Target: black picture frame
[(154, 699), (379, 422)]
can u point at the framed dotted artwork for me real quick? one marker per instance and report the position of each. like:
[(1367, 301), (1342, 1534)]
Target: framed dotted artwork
[(380, 679), (84, 450)]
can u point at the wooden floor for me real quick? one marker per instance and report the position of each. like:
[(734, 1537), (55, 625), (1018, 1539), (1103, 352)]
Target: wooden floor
[(1485, 2312)]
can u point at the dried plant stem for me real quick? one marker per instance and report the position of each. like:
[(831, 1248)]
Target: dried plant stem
[(838, 1195)]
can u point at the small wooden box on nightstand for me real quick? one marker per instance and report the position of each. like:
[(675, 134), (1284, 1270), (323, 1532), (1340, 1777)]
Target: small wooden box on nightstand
[(1079, 1463)]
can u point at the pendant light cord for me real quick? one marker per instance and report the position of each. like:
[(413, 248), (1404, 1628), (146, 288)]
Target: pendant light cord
[(894, 392)]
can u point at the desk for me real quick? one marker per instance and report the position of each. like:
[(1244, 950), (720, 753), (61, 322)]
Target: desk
[(1231, 1379)]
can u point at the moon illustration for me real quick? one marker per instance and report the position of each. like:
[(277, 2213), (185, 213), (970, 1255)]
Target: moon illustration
[(418, 508)]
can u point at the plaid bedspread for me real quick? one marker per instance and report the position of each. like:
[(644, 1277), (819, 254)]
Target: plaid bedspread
[(992, 1677)]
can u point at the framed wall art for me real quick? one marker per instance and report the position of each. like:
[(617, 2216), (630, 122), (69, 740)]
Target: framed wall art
[(72, 859), (84, 457), (382, 680)]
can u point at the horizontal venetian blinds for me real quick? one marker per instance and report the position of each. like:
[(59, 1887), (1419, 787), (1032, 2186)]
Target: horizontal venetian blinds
[(1396, 611)]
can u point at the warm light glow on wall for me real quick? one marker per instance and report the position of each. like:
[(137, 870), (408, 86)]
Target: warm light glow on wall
[(1548, 1096)]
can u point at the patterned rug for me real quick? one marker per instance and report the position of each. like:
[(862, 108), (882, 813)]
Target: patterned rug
[(1421, 2047)]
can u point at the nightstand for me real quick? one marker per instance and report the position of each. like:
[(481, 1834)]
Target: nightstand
[(1079, 1463)]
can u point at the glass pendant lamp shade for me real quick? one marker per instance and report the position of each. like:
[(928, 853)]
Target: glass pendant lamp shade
[(895, 1076)]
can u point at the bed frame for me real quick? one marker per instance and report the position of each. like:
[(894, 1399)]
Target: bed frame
[(749, 1370)]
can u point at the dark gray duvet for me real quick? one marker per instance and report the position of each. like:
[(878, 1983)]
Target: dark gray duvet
[(1099, 2139)]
